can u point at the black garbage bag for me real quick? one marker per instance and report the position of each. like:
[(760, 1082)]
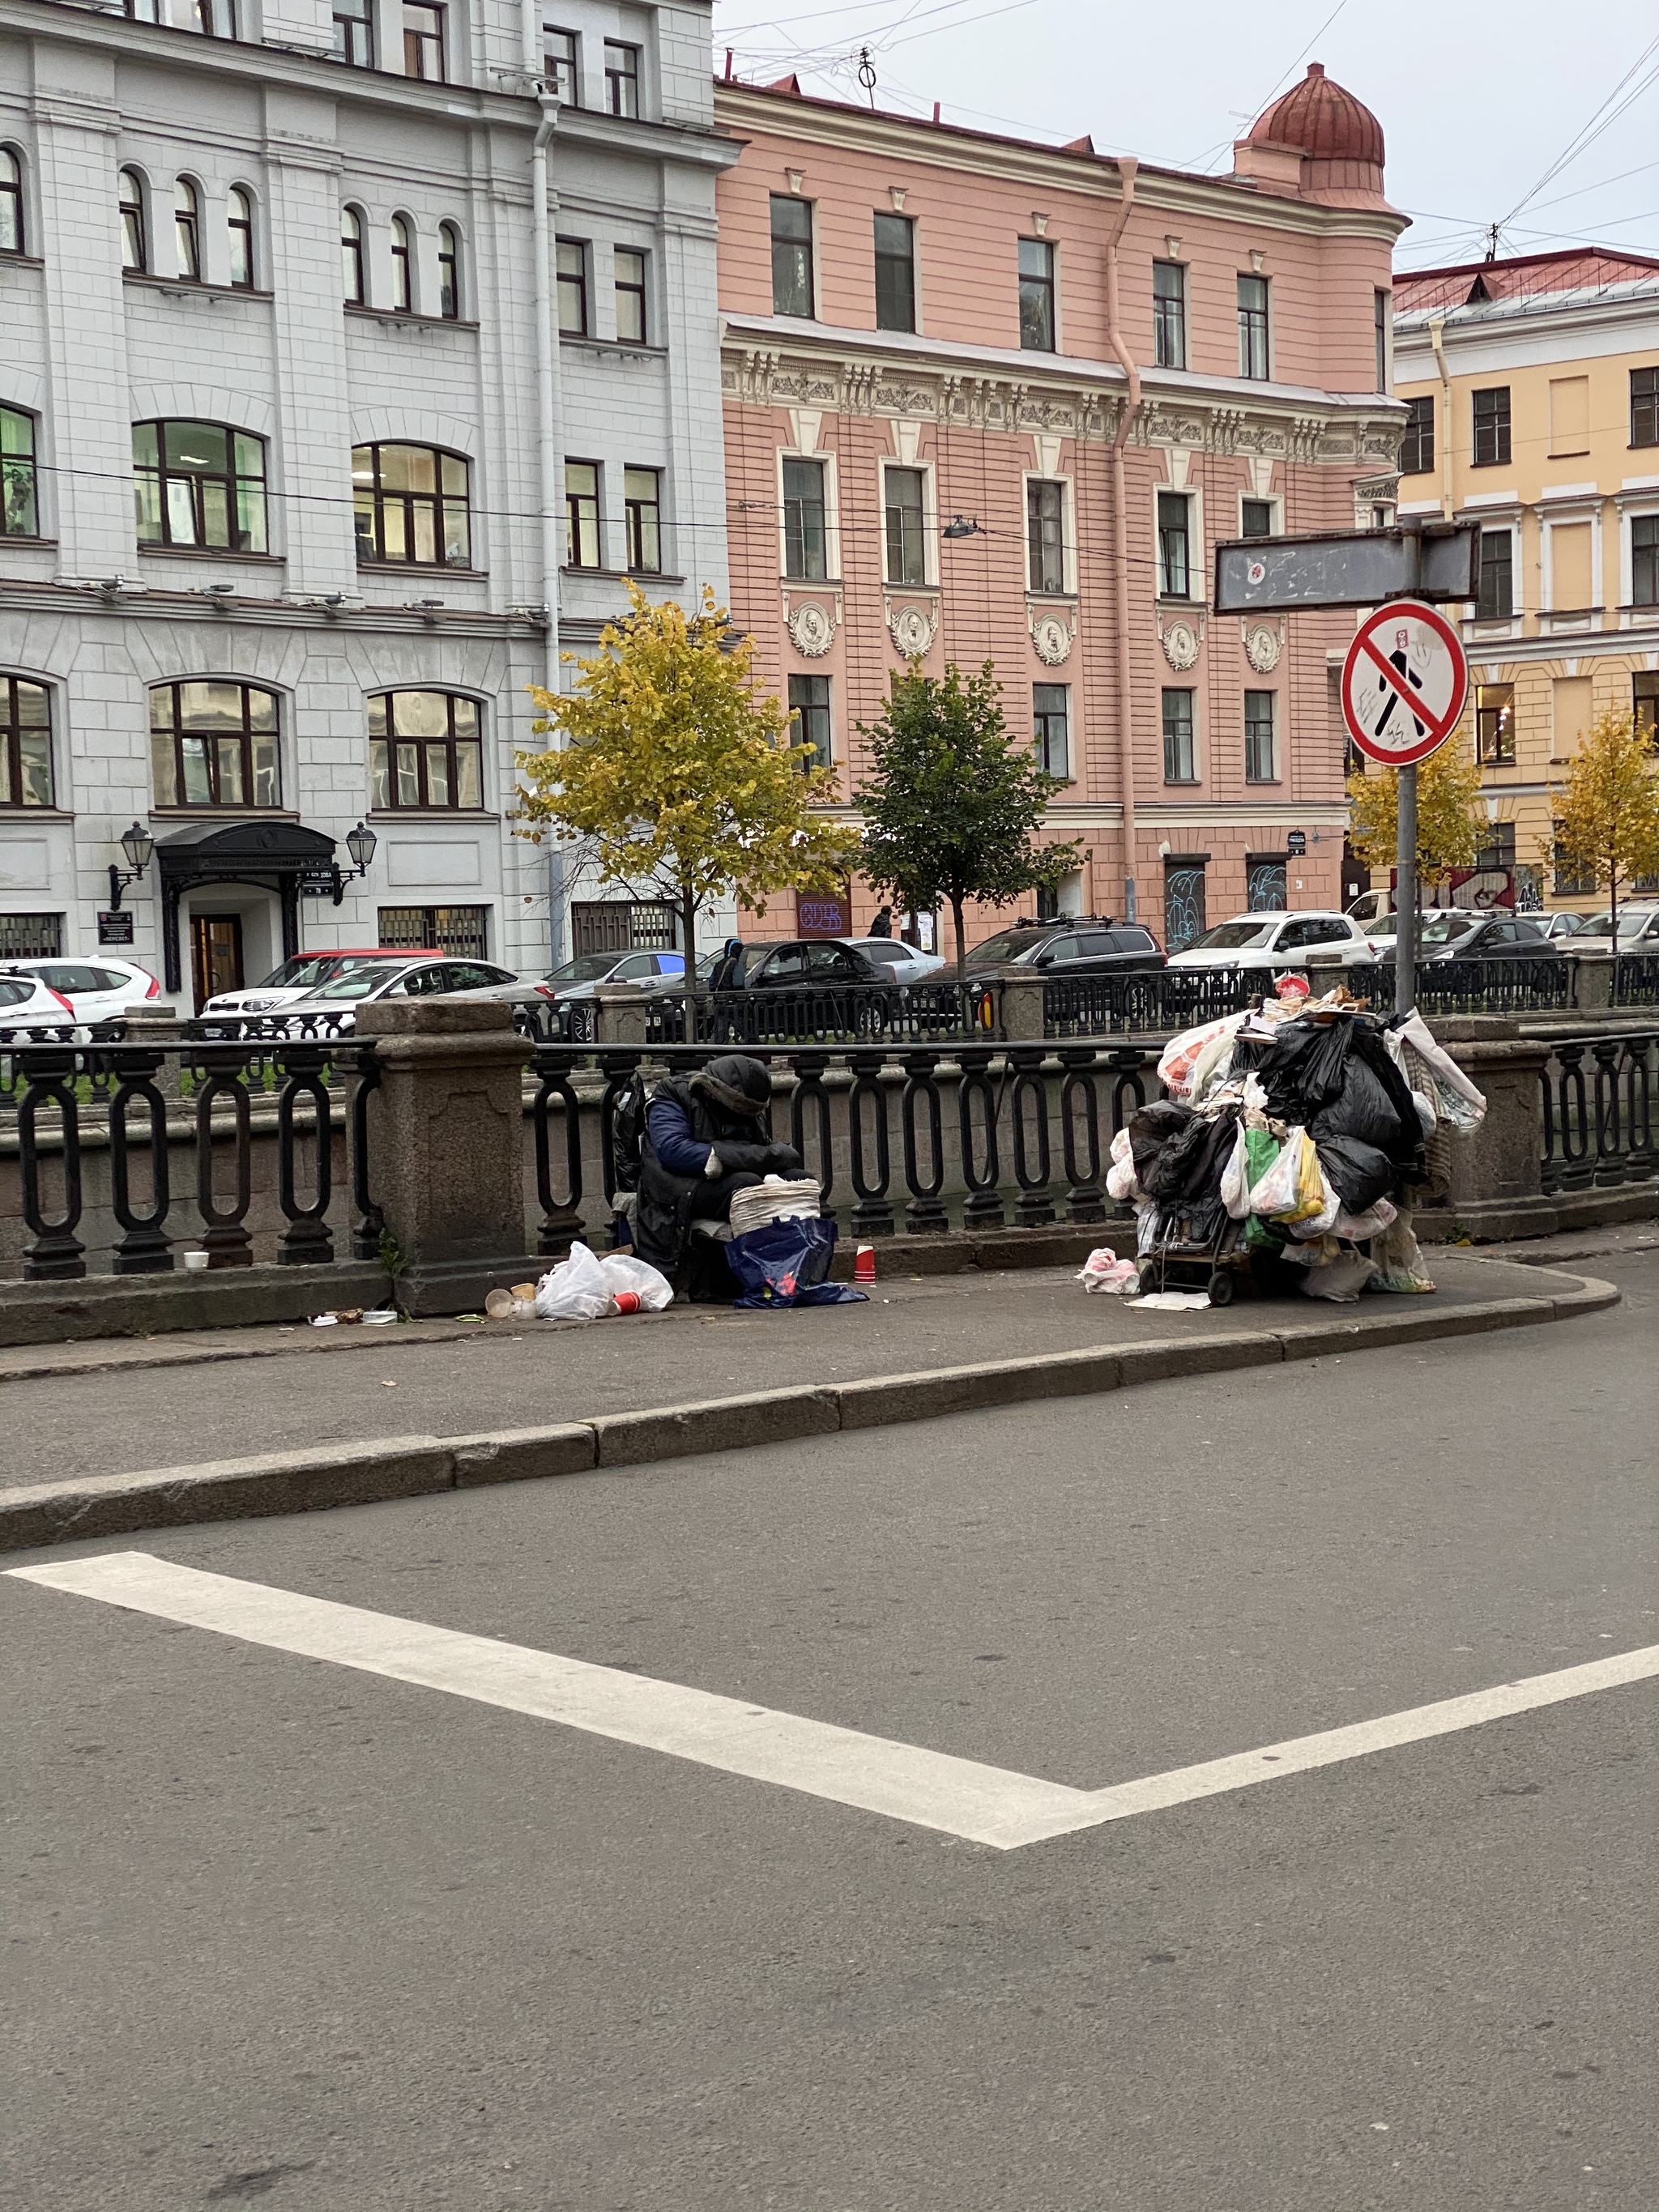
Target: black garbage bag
[(1358, 1172), (1371, 1048), (1189, 1167), (1362, 1109), (1150, 1127), (1305, 1067)]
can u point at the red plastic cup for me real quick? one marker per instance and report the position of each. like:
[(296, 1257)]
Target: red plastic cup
[(628, 1302)]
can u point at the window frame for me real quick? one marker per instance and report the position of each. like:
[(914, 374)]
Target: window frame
[(1051, 724), (635, 288), (211, 739), (354, 257), (1645, 703), (824, 463), (449, 271), (246, 492), (1038, 287), (1273, 504), (564, 278), (584, 512), (239, 225), (216, 19), (134, 221), (391, 740), (1256, 338), (372, 501), (187, 230), (823, 753), (804, 251), (1486, 609), (1256, 722), (19, 465), (885, 258), (1169, 315), (419, 44), (889, 509), (1164, 539), (14, 206), (1383, 333), (1644, 556), (13, 779), (401, 232), (1417, 440), (1177, 737), (1494, 725), (622, 84), (1645, 408), (348, 49), (1490, 428), (1036, 570), (642, 535), (555, 64)]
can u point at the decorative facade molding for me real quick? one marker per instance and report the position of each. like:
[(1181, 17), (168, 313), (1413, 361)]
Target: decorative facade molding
[(1263, 642), (1181, 636), (811, 623), (1054, 631), (911, 622)]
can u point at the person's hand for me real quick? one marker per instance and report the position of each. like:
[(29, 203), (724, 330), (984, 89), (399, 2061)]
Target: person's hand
[(782, 1159)]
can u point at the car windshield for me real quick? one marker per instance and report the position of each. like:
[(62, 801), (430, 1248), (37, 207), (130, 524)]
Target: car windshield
[(586, 968), (1633, 921), (307, 970), (358, 982), (1228, 935), (883, 948), (1010, 944), (1442, 928)]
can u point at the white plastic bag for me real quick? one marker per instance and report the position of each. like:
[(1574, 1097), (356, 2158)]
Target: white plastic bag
[(1455, 1098), (626, 1277), (1181, 1054), (1103, 1271), (1276, 1192), (1357, 1227), (573, 1290), (1341, 1279), (1235, 1178)]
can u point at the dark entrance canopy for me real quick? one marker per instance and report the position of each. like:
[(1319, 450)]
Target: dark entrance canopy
[(284, 857)]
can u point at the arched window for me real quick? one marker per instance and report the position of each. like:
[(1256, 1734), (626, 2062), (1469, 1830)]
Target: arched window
[(20, 507), (25, 743), (403, 259), (241, 237), (425, 751), (187, 229), (12, 233), (214, 744), (411, 506), (449, 272), (135, 229), (352, 271), (199, 484)]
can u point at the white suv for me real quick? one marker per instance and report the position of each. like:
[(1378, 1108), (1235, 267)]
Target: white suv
[(99, 990), (1278, 941)]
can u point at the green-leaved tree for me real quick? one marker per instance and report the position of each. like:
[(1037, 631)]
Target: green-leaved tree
[(953, 800), (1451, 824)]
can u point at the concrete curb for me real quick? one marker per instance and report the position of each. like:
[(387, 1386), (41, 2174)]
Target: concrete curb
[(414, 1467)]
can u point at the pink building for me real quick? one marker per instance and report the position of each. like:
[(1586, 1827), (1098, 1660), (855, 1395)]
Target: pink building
[(1105, 369)]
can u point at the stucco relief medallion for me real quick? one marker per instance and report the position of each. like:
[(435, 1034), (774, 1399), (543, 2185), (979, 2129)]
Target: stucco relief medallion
[(812, 628), (913, 629), (1263, 648), (1180, 644), (1052, 639)]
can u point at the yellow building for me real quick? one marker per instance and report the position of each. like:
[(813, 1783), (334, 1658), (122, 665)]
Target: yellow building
[(1533, 388)]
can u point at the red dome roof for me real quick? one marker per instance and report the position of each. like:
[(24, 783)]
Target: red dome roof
[(1321, 120)]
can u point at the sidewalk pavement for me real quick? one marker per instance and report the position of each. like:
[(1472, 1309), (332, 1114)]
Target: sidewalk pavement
[(110, 1409)]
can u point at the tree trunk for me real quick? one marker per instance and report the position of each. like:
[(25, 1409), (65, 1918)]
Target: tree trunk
[(962, 949), (689, 937), (1613, 899)]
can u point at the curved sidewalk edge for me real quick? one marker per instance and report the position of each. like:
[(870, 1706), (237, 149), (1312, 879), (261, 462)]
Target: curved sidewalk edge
[(413, 1466)]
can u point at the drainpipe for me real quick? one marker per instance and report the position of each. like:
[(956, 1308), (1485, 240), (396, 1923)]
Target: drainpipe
[(1437, 333), (1128, 169), (547, 437)]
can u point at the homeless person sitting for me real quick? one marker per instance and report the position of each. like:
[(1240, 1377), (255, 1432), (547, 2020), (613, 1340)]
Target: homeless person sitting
[(705, 1139)]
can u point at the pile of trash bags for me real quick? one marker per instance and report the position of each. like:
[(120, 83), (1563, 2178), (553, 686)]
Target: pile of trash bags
[(1305, 1120)]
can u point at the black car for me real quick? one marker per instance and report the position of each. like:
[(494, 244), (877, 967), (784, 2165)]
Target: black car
[(805, 963), (1085, 946), (1494, 937)]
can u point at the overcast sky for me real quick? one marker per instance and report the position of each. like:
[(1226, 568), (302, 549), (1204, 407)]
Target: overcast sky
[(1478, 98)]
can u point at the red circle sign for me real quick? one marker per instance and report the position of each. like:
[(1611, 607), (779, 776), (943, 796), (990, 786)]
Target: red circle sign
[(1404, 683)]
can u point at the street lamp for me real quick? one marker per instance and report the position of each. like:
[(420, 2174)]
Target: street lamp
[(960, 528), (138, 845), (360, 842)]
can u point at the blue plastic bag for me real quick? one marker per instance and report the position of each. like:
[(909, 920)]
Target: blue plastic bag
[(788, 1264)]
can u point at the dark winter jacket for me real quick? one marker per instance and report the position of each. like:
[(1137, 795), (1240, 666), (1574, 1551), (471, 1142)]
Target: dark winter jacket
[(686, 1118)]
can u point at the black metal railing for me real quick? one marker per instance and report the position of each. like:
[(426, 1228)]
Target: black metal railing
[(1158, 1001), (926, 1140), (1598, 1094), (210, 1116), (1636, 980), (854, 1013)]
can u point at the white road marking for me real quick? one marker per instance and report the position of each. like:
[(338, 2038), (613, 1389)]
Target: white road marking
[(928, 1789)]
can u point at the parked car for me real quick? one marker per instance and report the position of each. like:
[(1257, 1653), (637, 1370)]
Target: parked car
[(1443, 925), (807, 963), (1278, 941), (1638, 931), (1371, 906), (98, 990), (901, 962), (1080, 947), (27, 1004), (1563, 925), (330, 1009), (1493, 936), (306, 972), (577, 980)]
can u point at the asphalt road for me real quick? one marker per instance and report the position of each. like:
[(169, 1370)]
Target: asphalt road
[(290, 1932)]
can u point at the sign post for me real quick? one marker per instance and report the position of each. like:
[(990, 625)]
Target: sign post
[(1404, 683)]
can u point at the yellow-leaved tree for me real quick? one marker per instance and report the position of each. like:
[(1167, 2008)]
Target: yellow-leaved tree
[(1451, 826), (675, 771), (1607, 816)]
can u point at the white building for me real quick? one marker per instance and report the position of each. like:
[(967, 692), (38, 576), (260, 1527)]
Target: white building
[(300, 494)]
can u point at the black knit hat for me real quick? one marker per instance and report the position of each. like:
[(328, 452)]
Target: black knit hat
[(740, 1085)]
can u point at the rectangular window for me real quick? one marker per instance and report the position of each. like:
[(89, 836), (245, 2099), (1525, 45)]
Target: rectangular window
[(643, 519), (1381, 322), (1498, 850), (621, 78), (31, 936), (805, 549), (1036, 295), (1169, 313), (1644, 407), (198, 483), (214, 744), (1644, 561), (1568, 417), (214, 19), (1253, 327), (1264, 883), (905, 518), (1051, 728), (1261, 736), (1174, 547), (20, 507), (559, 65), (1572, 878), (630, 295), (1180, 755), (411, 506), (425, 751), (572, 288), (581, 515), (1497, 600), (1494, 724), (895, 273), (1417, 448), (1256, 518), (1045, 535), (423, 41), (25, 743), (1645, 703), (142, 11), (809, 707), (791, 256), (460, 931), (1491, 427), (354, 32)]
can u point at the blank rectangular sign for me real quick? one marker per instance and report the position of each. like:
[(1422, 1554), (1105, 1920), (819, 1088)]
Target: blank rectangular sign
[(1345, 569)]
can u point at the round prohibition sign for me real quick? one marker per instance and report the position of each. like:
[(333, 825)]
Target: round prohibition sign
[(1404, 683)]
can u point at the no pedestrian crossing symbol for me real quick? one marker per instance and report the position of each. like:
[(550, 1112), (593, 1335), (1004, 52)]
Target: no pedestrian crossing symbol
[(1404, 683)]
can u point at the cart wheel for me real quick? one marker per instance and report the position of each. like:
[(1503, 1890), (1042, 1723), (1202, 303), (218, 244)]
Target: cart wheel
[(1221, 1288)]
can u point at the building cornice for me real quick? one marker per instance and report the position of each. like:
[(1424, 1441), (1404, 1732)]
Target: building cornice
[(1488, 654), (146, 602)]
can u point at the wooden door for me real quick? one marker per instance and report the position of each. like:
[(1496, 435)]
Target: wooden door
[(215, 955)]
